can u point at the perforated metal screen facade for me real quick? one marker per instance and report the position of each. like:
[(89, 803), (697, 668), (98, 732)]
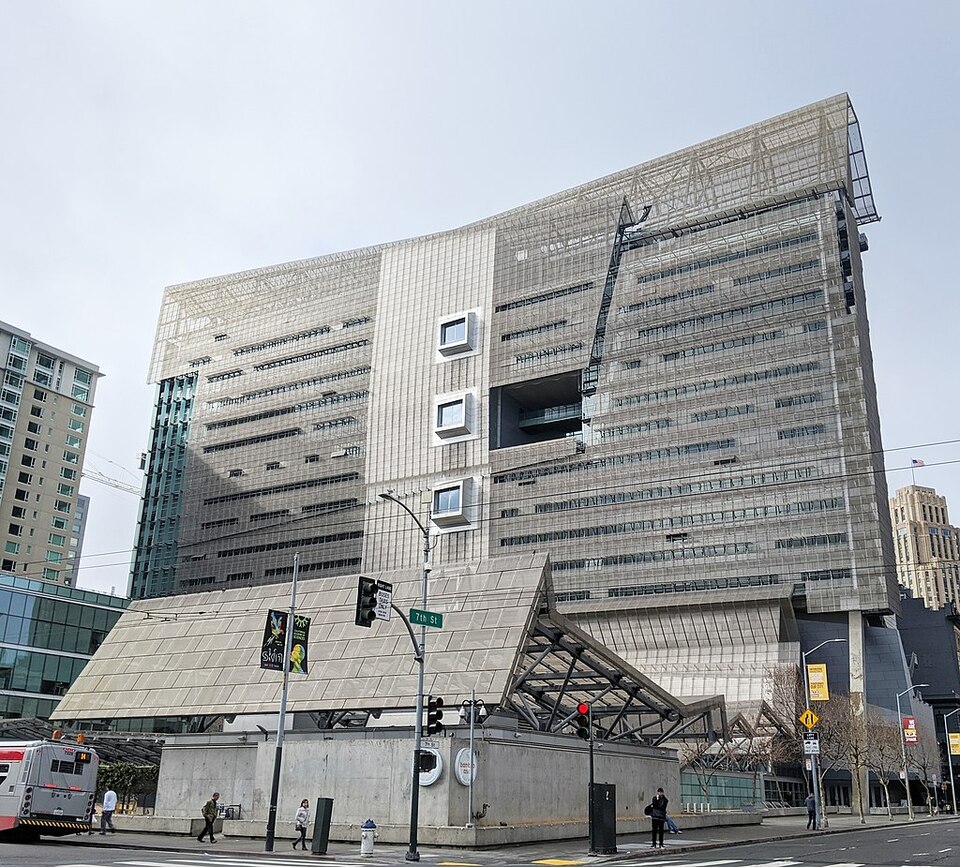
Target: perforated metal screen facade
[(729, 452)]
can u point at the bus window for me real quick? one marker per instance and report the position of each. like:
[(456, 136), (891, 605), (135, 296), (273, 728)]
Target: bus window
[(4, 770)]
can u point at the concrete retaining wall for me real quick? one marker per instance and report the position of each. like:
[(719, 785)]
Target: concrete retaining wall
[(529, 786)]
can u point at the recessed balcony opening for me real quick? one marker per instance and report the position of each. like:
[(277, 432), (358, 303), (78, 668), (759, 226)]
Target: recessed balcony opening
[(535, 411)]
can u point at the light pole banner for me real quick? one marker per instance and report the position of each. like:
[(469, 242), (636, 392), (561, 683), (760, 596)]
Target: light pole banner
[(275, 638), (955, 743), (817, 678), (910, 730)]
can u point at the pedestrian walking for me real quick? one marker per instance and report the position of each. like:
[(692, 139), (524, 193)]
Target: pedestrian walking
[(811, 803), (658, 816), (106, 816), (303, 822), (209, 813)]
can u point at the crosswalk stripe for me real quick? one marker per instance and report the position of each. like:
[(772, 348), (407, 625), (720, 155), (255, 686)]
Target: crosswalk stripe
[(845, 864)]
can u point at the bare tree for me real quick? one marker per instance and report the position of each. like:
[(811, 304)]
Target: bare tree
[(925, 757), (704, 760), (856, 745), (834, 737), (883, 751)]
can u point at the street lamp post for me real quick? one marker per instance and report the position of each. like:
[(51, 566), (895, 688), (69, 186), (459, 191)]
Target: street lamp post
[(903, 747), (815, 758), (412, 853), (946, 732)]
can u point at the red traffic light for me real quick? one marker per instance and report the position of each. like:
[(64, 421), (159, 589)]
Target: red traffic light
[(583, 708)]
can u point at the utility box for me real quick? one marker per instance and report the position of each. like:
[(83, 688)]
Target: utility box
[(603, 819), (321, 826)]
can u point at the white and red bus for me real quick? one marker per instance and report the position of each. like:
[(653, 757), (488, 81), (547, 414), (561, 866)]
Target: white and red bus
[(46, 787)]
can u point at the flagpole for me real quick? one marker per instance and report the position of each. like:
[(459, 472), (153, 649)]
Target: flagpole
[(913, 474), (281, 723)]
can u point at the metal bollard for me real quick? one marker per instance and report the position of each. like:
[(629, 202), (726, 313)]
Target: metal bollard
[(368, 833)]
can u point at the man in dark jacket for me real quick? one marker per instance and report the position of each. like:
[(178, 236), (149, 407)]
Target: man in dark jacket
[(811, 803), (209, 813), (658, 815)]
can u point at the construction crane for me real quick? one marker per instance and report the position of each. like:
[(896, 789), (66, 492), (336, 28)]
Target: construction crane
[(100, 478), (627, 238)]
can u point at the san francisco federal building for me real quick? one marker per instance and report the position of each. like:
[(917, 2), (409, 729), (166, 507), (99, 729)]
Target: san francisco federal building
[(661, 379)]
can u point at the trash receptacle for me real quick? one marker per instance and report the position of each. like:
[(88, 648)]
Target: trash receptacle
[(321, 826), (603, 819)]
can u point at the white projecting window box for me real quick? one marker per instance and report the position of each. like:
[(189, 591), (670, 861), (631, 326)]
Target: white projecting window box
[(457, 334), (454, 416), (452, 504)]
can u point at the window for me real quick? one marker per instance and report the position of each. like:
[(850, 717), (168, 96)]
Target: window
[(71, 457), (31, 444), (457, 334), (311, 459), (79, 392), (59, 523), (36, 411), (62, 506), (51, 574), (12, 547), (453, 416), (450, 414), (235, 473), (76, 409), (55, 539), (25, 479), (33, 427), (67, 473), (65, 490), (83, 376), (39, 396), (42, 377), (44, 361), (73, 441), (15, 530), (28, 461), (450, 504), (273, 465), (18, 512)]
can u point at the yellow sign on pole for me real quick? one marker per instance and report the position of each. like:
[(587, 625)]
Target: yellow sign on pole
[(817, 678), (955, 743), (809, 718)]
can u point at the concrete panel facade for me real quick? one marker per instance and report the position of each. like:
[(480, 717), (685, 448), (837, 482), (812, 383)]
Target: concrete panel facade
[(524, 779)]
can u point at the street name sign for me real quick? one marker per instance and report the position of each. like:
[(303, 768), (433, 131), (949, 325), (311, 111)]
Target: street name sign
[(426, 618)]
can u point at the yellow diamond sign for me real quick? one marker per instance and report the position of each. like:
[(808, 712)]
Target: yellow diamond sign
[(809, 718)]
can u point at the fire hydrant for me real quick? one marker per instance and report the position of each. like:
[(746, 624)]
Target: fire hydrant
[(368, 833)]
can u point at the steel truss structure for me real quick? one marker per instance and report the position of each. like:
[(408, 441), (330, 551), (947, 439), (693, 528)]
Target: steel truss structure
[(562, 666)]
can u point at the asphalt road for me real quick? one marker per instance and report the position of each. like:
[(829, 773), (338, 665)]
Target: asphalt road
[(934, 844)]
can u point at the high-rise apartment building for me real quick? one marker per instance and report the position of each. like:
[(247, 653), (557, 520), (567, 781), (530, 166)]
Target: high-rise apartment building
[(663, 378), (926, 545), (45, 408), (78, 529)]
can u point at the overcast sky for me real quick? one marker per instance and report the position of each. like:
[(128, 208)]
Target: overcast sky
[(144, 144)]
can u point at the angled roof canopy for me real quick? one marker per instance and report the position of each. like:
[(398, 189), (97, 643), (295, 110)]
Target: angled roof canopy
[(198, 655)]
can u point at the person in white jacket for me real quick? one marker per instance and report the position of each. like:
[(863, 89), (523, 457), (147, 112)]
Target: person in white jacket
[(109, 805), (303, 822)]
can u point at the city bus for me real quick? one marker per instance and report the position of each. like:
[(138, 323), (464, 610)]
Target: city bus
[(46, 787)]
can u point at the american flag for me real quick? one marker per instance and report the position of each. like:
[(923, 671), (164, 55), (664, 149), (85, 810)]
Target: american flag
[(917, 463)]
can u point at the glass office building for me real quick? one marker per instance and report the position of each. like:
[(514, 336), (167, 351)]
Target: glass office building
[(48, 632), (662, 378)]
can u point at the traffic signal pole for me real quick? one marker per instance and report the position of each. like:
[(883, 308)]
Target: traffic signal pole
[(281, 722), (590, 816), (412, 853)]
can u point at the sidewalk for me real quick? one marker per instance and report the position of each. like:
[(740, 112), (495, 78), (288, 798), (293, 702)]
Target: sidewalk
[(632, 846)]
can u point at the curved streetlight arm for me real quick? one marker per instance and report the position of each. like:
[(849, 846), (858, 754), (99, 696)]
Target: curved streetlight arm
[(406, 508), (821, 644)]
